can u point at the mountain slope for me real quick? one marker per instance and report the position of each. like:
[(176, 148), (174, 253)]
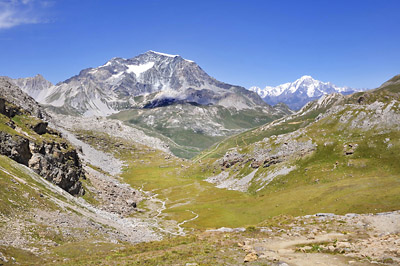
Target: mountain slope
[(283, 125), (299, 92), (36, 86)]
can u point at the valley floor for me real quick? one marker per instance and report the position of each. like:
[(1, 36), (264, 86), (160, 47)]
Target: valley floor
[(178, 218)]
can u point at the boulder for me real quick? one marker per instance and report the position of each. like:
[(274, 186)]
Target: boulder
[(40, 128)]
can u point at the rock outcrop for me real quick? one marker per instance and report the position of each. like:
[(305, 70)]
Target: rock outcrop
[(58, 164), (33, 144), (15, 147)]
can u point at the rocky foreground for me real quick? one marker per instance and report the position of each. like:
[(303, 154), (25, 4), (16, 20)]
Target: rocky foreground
[(327, 239)]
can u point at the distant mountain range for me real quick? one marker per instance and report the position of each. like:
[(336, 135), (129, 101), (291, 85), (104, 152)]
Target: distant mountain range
[(156, 79), (296, 94)]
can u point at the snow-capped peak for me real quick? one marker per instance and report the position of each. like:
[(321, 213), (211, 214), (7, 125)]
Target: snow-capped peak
[(299, 92)]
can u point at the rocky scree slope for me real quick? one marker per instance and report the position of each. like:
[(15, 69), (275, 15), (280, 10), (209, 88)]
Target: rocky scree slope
[(27, 139), (349, 126), (13, 94), (111, 127), (296, 94)]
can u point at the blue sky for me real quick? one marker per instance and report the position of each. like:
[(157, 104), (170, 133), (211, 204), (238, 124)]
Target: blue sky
[(353, 43)]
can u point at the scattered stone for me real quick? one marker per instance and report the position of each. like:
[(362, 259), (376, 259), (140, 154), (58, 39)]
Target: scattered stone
[(331, 248), (325, 214), (3, 258), (349, 148), (250, 257)]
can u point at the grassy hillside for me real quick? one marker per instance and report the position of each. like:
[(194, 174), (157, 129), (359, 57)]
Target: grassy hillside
[(281, 126)]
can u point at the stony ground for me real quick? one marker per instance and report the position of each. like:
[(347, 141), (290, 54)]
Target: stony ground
[(326, 239), (109, 126)]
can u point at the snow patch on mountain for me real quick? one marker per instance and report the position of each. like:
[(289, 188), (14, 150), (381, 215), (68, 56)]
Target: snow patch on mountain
[(139, 69)]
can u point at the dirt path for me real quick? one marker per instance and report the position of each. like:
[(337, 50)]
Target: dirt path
[(158, 206), (286, 250), (204, 155)]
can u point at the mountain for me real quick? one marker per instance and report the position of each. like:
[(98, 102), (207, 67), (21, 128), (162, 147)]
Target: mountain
[(36, 86), (16, 96), (299, 92), (148, 80)]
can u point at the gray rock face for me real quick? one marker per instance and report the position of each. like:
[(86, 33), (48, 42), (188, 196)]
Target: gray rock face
[(58, 165), (149, 80), (231, 158), (287, 146), (50, 160), (15, 147), (40, 128)]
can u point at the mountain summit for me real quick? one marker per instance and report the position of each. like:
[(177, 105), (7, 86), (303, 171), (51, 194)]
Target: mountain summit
[(299, 92), (157, 78)]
